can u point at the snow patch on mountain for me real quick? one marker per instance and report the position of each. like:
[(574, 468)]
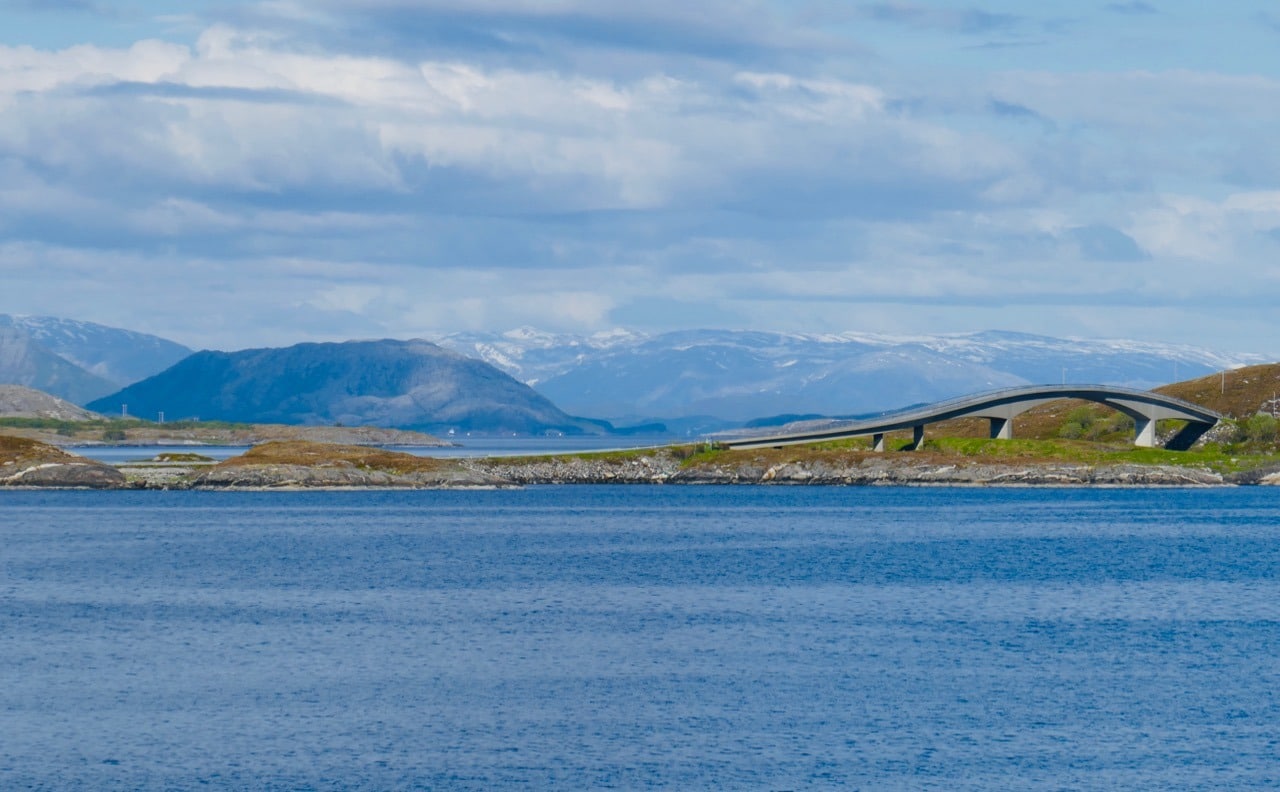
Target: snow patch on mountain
[(735, 375), (118, 356)]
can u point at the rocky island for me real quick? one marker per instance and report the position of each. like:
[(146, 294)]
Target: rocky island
[(29, 463), (303, 465), (1062, 443)]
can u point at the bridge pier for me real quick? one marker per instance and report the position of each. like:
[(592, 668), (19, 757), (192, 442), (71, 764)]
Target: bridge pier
[(877, 442), (1001, 428), (917, 437), (1144, 431)]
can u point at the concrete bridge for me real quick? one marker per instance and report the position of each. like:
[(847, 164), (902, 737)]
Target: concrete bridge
[(1000, 407)]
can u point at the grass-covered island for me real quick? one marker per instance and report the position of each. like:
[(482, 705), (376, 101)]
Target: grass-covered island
[(1061, 443), (942, 461)]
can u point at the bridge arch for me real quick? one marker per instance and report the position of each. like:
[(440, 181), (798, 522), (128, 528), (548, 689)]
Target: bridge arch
[(1001, 406)]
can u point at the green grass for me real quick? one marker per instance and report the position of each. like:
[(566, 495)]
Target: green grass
[(701, 454), (203, 425), (59, 425), (1220, 459)]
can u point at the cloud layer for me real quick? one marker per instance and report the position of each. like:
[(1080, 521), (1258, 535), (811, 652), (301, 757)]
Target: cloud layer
[(279, 171)]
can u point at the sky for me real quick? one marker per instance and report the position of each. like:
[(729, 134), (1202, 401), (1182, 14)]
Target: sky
[(239, 174)]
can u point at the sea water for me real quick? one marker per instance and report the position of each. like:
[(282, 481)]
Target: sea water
[(638, 637)]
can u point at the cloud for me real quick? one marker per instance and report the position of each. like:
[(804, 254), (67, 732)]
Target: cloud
[(609, 37), (971, 21), (1104, 243), (1269, 20), (53, 6), (1135, 8), (573, 164), (171, 90), (236, 119), (1017, 112)]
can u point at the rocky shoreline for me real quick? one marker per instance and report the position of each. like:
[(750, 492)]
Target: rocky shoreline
[(320, 466), (877, 471), (301, 477)]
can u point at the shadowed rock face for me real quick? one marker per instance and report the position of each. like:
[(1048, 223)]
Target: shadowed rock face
[(402, 384)]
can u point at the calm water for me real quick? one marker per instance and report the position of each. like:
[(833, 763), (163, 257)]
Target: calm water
[(612, 637), (464, 447)]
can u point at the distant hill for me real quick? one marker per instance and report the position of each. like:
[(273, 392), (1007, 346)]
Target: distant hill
[(1238, 393), (119, 357), (400, 384), (19, 402), (742, 375), (27, 363)]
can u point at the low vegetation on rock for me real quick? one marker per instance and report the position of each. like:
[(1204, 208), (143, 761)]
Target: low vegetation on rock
[(306, 454), (30, 463), (306, 464)]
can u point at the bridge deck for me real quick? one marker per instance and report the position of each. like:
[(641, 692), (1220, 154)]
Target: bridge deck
[(1000, 407)]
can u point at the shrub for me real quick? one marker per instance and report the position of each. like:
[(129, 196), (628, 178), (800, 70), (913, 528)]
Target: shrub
[(1261, 428), (1078, 423), (1072, 430)]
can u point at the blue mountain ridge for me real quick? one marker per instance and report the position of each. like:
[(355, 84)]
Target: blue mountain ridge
[(390, 383)]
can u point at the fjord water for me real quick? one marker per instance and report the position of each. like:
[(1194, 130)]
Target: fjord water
[(614, 637)]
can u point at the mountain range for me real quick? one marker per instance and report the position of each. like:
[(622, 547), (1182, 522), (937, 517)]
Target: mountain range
[(389, 383), (529, 381), (79, 361), (703, 379)]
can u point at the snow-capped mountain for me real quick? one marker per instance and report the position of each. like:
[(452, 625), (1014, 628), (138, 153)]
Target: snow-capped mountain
[(117, 356), (740, 375), (533, 356)]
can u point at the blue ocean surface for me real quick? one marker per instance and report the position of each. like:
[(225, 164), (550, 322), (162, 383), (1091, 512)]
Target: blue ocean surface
[(641, 637)]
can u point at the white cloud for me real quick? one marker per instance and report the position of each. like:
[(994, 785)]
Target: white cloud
[(24, 69), (265, 177)]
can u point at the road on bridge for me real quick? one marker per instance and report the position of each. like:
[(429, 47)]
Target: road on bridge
[(1000, 407)]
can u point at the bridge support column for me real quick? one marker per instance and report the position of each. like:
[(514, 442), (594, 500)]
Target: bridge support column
[(917, 437), (1001, 428), (877, 442), (1144, 431)]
